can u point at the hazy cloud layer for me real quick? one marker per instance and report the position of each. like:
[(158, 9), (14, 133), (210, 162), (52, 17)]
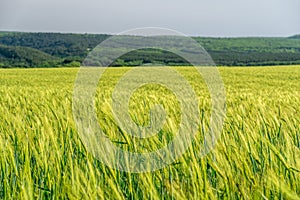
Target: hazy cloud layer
[(192, 17)]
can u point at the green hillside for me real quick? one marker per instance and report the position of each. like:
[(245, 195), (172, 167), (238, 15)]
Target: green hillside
[(70, 48), (56, 44), (295, 37), (11, 56)]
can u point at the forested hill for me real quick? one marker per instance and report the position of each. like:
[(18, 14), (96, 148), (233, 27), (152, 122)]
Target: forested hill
[(55, 49)]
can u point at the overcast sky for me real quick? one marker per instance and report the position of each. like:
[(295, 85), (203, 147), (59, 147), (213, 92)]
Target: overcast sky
[(191, 17)]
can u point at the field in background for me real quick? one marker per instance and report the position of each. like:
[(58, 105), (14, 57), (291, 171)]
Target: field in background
[(257, 157)]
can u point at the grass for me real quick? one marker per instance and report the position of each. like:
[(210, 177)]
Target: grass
[(257, 156)]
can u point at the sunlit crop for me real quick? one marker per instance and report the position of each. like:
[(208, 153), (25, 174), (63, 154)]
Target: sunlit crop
[(257, 156)]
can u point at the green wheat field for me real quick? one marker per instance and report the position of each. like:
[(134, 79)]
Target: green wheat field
[(257, 156)]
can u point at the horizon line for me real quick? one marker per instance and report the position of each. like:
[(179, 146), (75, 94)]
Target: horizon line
[(111, 34)]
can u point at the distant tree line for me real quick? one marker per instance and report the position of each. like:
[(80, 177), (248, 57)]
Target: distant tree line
[(56, 49)]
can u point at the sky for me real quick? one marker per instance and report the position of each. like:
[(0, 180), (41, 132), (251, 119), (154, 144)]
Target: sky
[(218, 18)]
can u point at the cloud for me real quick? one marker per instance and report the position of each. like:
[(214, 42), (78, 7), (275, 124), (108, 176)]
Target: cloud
[(194, 17)]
